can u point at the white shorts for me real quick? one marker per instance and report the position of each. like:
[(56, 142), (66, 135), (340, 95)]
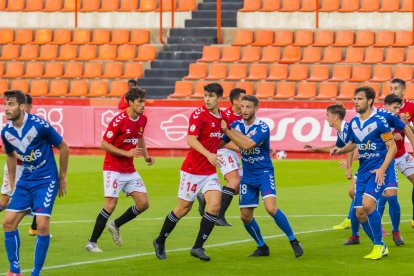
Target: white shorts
[(191, 185), (230, 161), (5, 186), (114, 182), (405, 164)]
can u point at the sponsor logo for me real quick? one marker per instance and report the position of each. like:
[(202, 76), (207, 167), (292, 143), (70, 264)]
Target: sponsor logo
[(367, 146), (33, 156), (107, 117), (133, 141), (175, 128), (255, 150), (216, 135), (252, 160)]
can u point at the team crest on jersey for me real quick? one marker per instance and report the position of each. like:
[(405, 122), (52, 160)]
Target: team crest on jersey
[(109, 134), (140, 131), (192, 127), (128, 131), (213, 124)]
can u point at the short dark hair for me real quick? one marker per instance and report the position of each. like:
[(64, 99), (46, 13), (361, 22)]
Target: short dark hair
[(16, 94), (214, 88), (28, 99), (392, 99), (235, 93), (369, 92), (400, 82), (131, 81), (135, 93), (251, 98), (337, 109)]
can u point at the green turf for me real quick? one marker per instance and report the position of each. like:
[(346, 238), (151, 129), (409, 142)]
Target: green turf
[(314, 188)]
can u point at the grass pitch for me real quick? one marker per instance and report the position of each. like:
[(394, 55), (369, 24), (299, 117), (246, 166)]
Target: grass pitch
[(313, 194)]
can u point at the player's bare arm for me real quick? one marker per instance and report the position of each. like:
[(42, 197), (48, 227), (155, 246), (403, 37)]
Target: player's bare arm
[(143, 146), (348, 147), (193, 142), (63, 167), (134, 152), (232, 146), (316, 149), (237, 137), (380, 172), (409, 133), (11, 161)]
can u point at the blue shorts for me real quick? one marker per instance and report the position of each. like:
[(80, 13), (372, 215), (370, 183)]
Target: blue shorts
[(37, 198), (250, 188), (392, 182), (366, 185)]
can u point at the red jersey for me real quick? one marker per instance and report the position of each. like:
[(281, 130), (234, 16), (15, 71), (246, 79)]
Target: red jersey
[(207, 127), (123, 133), (231, 116), (122, 104), (408, 110)]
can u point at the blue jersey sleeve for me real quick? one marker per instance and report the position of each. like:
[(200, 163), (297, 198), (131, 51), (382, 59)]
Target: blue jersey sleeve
[(262, 133), (396, 123), (339, 143), (350, 134), (51, 135), (7, 146)]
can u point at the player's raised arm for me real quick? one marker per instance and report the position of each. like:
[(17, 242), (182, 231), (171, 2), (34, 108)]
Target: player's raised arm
[(143, 146), (63, 167), (311, 148), (134, 152)]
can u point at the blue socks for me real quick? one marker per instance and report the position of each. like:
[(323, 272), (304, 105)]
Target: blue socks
[(354, 223), (351, 209), (254, 231), (381, 205), (42, 245), (12, 243), (395, 212), (283, 223), (374, 220), (368, 230)]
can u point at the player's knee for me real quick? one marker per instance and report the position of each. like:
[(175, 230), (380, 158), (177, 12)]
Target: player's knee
[(142, 206), (271, 210), (360, 214), (8, 225), (42, 228), (246, 218), (213, 208)]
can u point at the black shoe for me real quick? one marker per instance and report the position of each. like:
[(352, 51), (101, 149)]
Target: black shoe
[(201, 204), (222, 222), (261, 251), (297, 248), (159, 250), (199, 253)]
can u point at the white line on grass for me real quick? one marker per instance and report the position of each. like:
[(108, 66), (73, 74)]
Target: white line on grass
[(176, 250)]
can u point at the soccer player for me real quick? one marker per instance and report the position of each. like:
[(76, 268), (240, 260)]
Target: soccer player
[(198, 172), (404, 161), (230, 166), (122, 141), (370, 133), (123, 103), (32, 139), (252, 136)]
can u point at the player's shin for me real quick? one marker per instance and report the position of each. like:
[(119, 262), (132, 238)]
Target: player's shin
[(395, 212), (42, 245), (354, 224), (129, 214), (206, 226), (283, 223), (226, 198), (99, 225), (12, 243), (169, 224), (381, 205), (253, 229), (374, 220)]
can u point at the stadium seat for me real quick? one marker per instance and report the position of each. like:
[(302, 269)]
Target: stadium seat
[(381, 73), (52, 6), (346, 90), (118, 88), (53, 70), (227, 87), (360, 73), (73, 70), (270, 55), (112, 70), (58, 88), (248, 86), (344, 38), (81, 36), (298, 72), (3, 4), (374, 55), (92, 70), (263, 38), (285, 90), (406, 6), (147, 5), (107, 52), (265, 89), (69, 5), (332, 55), (132, 70), (87, 52), (230, 54), (291, 55), (319, 73), (22, 85), (182, 89), (237, 71), (403, 72), (327, 90), (48, 52), (1, 69), (109, 6), (199, 89), (394, 55), (14, 69), (354, 55), (311, 55), (9, 52), (126, 52), (39, 88), (303, 38), (283, 38), (278, 72), (251, 6), (340, 73), (410, 56), (270, 5), (364, 38), (34, 70), (15, 5), (324, 38), (329, 5), (68, 52), (128, 5), (349, 6), (119, 37), (250, 54), (23, 36), (166, 5), (196, 71), (375, 86), (403, 38), (98, 88), (384, 38), (61, 36), (4, 86), (243, 38), (210, 54), (146, 53), (369, 5), (90, 5), (306, 90), (290, 6), (43, 36), (188, 5), (101, 36), (216, 71), (385, 90), (308, 6), (6, 36), (409, 91), (389, 5), (139, 37), (34, 5), (78, 88), (257, 71), (29, 52)]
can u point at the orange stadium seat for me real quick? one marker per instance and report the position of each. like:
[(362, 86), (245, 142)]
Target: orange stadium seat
[(389, 5), (73, 70), (319, 73), (69, 5), (107, 52), (52, 6), (303, 38), (263, 38), (354, 55), (1, 68), (132, 70), (298, 72), (3, 4), (381, 73), (147, 5), (81, 36), (217, 71), (109, 6), (126, 52), (251, 6), (128, 5), (182, 89), (285, 90), (283, 38), (346, 90), (39, 88), (15, 5), (403, 72), (265, 89), (403, 38), (410, 56), (243, 38), (210, 54), (90, 5), (375, 86), (246, 85), (23, 36), (166, 5), (68, 52), (118, 88), (270, 5), (349, 6), (146, 52), (329, 5), (4, 86), (53, 70), (384, 38), (120, 37), (43, 36), (250, 54), (9, 51), (29, 52), (92, 70), (360, 73), (78, 88), (278, 72), (327, 90), (369, 5), (311, 55), (306, 90), (58, 88), (406, 6), (87, 52), (33, 5), (227, 87), (364, 38), (386, 90), (270, 54), (199, 89), (340, 73), (324, 38), (308, 6), (344, 38), (188, 5), (291, 55), (48, 52), (374, 55), (99, 88), (6, 36), (257, 71), (62, 36), (139, 37), (197, 71), (101, 36), (112, 70), (230, 54), (22, 85), (34, 70), (409, 91), (237, 71), (332, 55), (394, 55), (290, 6)]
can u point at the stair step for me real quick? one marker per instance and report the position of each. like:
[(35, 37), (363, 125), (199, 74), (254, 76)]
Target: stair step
[(209, 23), (192, 40), (158, 92), (184, 48), (174, 64), (193, 32), (212, 14), (179, 55), (169, 73), (156, 81)]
